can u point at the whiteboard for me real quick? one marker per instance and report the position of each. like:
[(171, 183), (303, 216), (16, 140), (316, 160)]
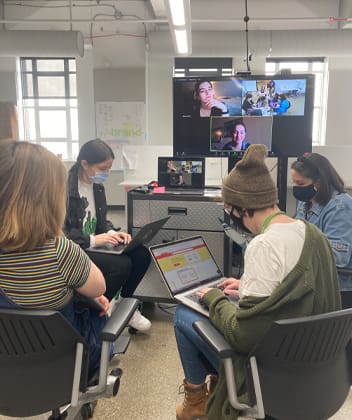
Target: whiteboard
[(123, 122), (120, 124)]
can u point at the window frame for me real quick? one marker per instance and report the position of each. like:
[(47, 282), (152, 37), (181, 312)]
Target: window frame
[(33, 101), (320, 106)]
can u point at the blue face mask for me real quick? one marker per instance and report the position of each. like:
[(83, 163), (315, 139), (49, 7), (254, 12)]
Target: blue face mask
[(99, 177)]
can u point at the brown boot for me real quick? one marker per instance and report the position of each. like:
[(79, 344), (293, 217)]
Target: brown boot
[(213, 380), (193, 406)]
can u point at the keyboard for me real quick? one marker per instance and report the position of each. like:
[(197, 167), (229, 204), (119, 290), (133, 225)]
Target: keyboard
[(194, 297), (190, 191)]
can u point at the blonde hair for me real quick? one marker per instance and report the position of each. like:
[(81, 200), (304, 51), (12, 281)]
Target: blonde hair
[(32, 195)]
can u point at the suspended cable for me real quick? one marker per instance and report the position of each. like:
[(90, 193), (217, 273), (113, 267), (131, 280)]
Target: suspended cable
[(246, 19)]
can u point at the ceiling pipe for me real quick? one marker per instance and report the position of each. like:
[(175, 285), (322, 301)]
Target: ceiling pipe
[(8, 21), (129, 21)]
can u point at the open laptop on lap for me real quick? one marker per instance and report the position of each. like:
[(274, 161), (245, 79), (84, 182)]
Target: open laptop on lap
[(143, 236), (187, 266)]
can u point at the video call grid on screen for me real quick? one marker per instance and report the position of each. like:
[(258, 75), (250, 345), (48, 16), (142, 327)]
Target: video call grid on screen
[(292, 123), (181, 172), (232, 92)]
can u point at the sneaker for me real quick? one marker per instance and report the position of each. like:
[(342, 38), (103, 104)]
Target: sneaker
[(139, 322)]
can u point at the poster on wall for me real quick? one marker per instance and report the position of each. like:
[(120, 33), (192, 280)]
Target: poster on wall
[(121, 122)]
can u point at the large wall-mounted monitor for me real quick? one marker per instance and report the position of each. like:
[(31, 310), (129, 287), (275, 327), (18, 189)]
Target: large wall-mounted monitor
[(221, 116)]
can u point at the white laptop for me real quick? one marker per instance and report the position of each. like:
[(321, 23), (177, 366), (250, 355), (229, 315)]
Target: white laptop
[(143, 236), (187, 266)]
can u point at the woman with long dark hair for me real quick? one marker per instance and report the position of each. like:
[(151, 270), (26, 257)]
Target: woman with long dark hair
[(86, 224), (206, 104), (323, 201)]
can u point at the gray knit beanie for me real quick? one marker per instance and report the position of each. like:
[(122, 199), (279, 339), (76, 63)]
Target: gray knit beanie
[(249, 184)]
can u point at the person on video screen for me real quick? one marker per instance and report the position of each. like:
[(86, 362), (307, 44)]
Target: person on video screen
[(238, 141), (247, 104), (206, 105), (283, 105), (170, 166), (271, 87)]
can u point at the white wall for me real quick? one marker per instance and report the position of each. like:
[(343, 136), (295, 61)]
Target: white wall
[(85, 93), (159, 100), (119, 85)]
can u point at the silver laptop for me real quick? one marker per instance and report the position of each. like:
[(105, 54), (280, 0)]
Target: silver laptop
[(143, 236), (187, 266)]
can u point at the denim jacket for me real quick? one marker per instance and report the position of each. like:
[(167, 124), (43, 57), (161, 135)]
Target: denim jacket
[(335, 221)]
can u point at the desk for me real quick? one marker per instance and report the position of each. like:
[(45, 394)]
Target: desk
[(190, 215)]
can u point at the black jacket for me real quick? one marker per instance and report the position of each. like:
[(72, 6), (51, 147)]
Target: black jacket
[(75, 211)]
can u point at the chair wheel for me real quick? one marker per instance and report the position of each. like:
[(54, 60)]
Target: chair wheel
[(132, 330), (87, 410), (116, 372)]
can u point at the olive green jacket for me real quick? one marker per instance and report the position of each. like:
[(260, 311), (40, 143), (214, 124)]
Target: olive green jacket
[(310, 288)]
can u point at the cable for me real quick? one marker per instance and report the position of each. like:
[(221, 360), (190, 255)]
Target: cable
[(246, 19)]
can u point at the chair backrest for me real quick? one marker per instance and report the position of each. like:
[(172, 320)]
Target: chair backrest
[(37, 359), (304, 366)]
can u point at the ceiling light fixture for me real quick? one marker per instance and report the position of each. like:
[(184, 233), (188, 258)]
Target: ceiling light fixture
[(179, 16)]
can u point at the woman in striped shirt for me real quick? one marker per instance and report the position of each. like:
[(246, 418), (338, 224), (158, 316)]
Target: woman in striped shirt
[(39, 267)]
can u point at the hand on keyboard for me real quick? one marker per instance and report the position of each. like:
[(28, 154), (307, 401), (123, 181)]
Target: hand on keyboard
[(202, 292), (230, 286), (201, 302)]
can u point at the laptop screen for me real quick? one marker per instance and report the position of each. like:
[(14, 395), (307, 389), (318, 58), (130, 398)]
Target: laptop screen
[(181, 172), (185, 264)]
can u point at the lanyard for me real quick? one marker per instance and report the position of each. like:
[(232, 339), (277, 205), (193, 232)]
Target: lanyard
[(269, 219)]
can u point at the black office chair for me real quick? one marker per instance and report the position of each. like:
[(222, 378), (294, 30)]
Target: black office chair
[(346, 295), (301, 369), (44, 363)]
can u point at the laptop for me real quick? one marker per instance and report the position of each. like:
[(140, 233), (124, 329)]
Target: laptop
[(144, 235), (181, 174), (187, 266)]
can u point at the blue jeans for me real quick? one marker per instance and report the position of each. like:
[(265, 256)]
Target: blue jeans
[(194, 352), (89, 324)]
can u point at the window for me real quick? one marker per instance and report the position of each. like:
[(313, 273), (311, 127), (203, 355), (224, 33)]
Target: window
[(48, 104), (318, 67), (201, 66)]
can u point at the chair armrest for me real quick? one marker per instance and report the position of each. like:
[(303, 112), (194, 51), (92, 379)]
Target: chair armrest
[(213, 338), (119, 319), (216, 341), (345, 271)]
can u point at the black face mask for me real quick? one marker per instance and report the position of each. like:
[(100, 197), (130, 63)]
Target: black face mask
[(305, 194), (239, 225)]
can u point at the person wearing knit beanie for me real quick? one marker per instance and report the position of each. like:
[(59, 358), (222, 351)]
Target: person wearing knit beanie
[(249, 184), (288, 271)]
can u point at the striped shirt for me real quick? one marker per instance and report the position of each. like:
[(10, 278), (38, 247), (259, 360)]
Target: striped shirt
[(45, 277)]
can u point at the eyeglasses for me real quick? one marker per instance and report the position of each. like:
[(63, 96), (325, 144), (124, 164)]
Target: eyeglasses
[(228, 210)]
